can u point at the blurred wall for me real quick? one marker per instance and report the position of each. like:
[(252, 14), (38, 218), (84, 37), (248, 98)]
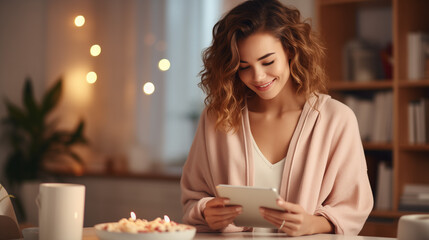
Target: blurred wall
[(38, 39), (22, 52)]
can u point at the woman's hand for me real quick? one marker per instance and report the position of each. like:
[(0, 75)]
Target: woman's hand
[(297, 221), (218, 215)]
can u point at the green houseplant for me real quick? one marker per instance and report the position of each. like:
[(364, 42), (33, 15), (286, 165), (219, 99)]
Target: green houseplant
[(33, 136)]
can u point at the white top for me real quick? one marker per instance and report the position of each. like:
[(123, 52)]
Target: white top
[(266, 175)]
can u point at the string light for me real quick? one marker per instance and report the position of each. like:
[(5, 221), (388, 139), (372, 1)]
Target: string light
[(95, 50), (79, 21), (148, 88), (164, 64), (91, 77)]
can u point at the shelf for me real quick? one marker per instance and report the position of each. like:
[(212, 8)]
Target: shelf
[(378, 146), (334, 2), (339, 21), (167, 174), (414, 84), (414, 147), (389, 214), (353, 86)]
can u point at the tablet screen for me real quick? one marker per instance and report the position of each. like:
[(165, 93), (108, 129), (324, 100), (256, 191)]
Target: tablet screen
[(250, 198)]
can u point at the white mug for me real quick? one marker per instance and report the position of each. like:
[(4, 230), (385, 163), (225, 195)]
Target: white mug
[(61, 209), (31, 233)]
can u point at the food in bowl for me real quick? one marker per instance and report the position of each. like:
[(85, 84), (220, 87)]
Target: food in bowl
[(144, 226)]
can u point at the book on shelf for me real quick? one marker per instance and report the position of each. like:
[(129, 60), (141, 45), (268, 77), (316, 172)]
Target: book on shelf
[(383, 117), (413, 189), (418, 55), (374, 115), (412, 122), (418, 121), (387, 61), (361, 61), (383, 199), (415, 197)]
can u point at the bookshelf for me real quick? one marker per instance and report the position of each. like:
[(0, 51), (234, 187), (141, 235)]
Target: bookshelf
[(339, 21)]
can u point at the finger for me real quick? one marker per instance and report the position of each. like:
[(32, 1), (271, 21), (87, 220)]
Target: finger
[(217, 202), (280, 215), (289, 207), (291, 217), (220, 211), (272, 211), (294, 218), (275, 221), (290, 226), (211, 215), (222, 223), (287, 227), (213, 219), (225, 220)]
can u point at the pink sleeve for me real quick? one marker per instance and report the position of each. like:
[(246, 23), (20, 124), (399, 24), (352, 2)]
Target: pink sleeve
[(197, 184), (346, 192), (195, 180)]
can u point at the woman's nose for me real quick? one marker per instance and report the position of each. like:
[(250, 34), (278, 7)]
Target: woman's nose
[(259, 74)]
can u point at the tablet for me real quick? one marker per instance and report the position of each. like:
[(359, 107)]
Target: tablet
[(250, 198)]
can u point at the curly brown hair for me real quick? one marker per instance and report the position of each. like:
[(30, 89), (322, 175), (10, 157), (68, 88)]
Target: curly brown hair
[(226, 93)]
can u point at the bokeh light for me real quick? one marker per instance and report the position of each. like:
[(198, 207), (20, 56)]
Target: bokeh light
[(148, 88), (79, 21), (95, 50), (164, 64), (91, 77)]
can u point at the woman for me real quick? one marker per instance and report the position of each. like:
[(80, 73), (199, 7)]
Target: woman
[(267, 123)]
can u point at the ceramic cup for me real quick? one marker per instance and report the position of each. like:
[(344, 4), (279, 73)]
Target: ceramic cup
[(31, 233), (61, 209), (413, 227)]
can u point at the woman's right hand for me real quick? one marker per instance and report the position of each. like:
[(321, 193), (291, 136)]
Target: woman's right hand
[(218, 215)]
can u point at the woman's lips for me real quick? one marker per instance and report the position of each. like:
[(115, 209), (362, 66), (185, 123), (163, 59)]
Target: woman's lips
[(265, 86)]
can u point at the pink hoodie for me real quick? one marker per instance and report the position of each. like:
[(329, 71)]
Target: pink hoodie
[(325, 170)]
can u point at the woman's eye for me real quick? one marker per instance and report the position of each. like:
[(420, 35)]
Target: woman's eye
[(269, 63), (243, 68)]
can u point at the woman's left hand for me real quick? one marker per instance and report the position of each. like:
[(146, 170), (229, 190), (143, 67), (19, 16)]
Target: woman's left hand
[(297, 221)]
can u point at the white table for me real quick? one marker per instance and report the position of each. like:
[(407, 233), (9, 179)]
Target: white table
[(89, 234)]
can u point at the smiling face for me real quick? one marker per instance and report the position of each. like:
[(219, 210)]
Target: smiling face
[(264, 65)]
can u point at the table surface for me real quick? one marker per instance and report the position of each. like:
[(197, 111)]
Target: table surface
[(89, 234)]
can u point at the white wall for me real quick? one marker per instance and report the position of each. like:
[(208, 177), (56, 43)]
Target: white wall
[(21, 53), (38, 39), (306, 7)]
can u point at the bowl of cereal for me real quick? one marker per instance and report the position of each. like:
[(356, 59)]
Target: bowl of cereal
[(142, 229)]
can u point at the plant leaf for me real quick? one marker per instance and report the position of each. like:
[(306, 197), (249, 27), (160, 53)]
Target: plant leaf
[(15, 115), (29, 100), (76, 157), (52, 97), (32, 138), (77, 135)]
